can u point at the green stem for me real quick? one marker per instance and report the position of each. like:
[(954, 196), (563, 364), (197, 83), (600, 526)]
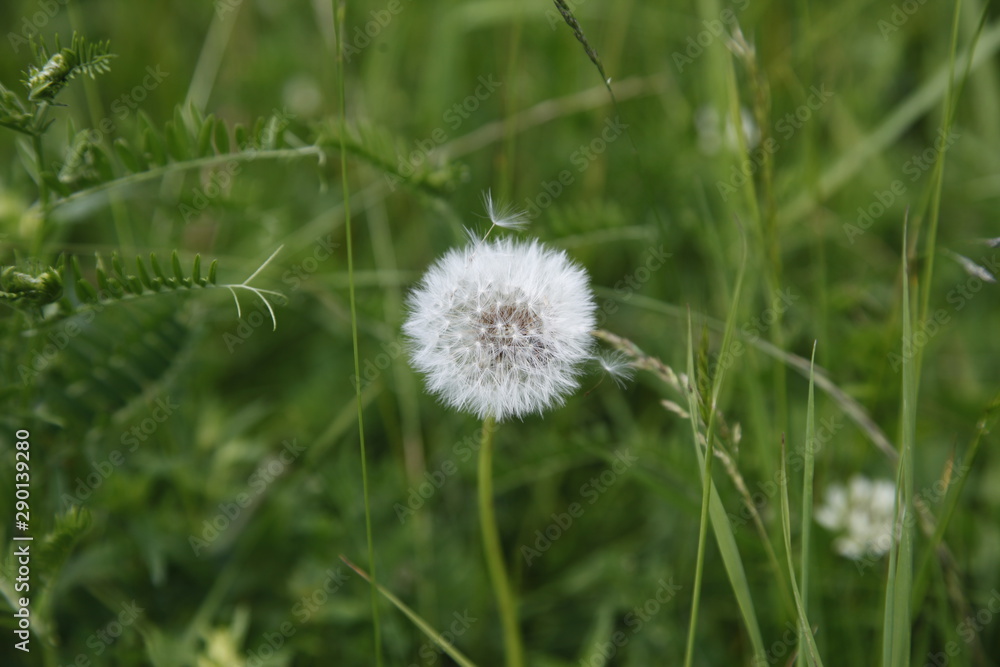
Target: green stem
[(43, 188), (491, 549), (339, 9), (188, 165), (702, 541)]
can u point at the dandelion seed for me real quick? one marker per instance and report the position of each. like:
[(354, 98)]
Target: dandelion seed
[(501, 328), (473, 236), (864, 514), (504, 215), (617, 366), (972, 268)]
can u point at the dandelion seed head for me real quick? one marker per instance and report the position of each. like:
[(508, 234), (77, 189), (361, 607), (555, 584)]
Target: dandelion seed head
[(501, 327)]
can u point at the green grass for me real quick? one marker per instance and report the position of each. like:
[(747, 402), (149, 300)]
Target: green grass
[(157, 410)]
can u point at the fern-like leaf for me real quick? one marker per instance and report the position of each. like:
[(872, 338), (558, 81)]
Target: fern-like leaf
[(53, 71), (58, 544), (25, 289), (117, 284), (14, 114)]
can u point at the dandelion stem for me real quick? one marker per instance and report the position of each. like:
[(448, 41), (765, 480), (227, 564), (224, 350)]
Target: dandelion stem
[(491, 549)]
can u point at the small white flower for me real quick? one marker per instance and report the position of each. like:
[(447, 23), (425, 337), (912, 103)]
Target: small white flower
[(500, 328), (864, 513)]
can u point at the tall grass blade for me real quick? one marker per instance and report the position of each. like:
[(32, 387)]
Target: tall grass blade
[(807, 505), (811, 655), (339, 13), (421, 624), (897, 627), (717, 516)]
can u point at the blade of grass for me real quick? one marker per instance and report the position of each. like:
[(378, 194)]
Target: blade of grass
[(716, 511), (851, 407), (705, 460), (847, 165), (339, 13), (950, 104), (899, 587), (421, 624), (983, 427), (807, 504), (805, 631)]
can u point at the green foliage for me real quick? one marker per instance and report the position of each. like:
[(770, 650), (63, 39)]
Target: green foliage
[(109, 362), (422, 168), (45, 79), (192, 458), (58, 544), (119, 284), (20, 289), (54, 70)]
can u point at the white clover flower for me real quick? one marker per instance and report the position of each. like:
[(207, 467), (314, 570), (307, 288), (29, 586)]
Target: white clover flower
[(500, 328), (864, 512)]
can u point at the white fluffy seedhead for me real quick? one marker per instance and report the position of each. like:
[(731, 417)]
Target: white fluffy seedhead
[(501, 327)]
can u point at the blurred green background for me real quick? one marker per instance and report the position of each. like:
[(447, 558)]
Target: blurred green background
[(183, 411)]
